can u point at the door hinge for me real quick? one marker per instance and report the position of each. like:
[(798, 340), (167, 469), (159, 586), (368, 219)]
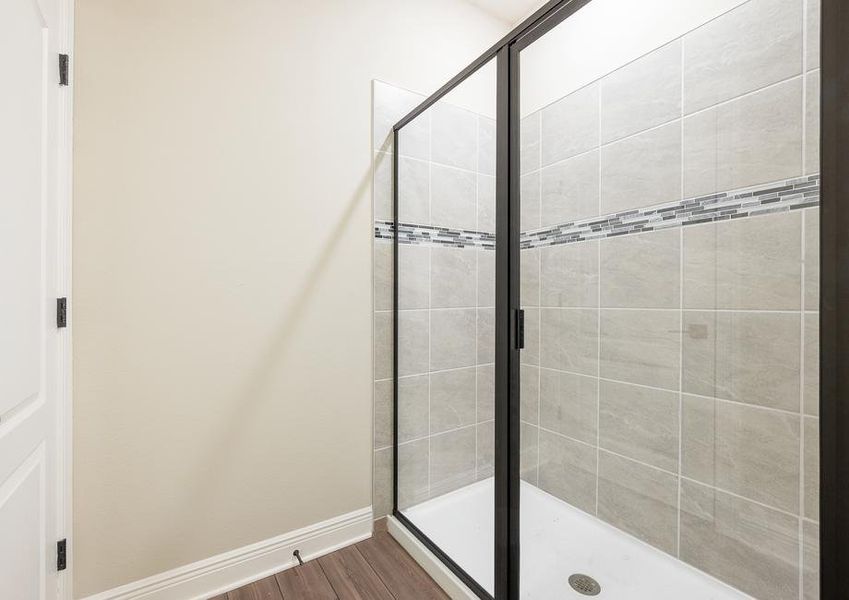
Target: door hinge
[(63, 69), (520, 329), (61, 555), (61, 312)]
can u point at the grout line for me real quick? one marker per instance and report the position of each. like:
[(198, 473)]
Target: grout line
[(683, 116), (681, 330), (624, 308), (539, 301), (672, 391), (477, 291), (673, 474), (598, 325), (804, 169), (429, 305)]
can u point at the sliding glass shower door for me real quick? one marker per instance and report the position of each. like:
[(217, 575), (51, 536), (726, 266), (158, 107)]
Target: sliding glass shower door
[(445, 278), (669, 280), (607, 306)]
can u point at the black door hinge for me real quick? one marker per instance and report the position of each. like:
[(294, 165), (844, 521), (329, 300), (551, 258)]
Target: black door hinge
[(61, 555), (61, 312), (520, 329), (63, 69)]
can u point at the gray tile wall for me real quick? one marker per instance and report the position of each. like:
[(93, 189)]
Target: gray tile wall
[(669, 386), (446, 301), (669, 382)]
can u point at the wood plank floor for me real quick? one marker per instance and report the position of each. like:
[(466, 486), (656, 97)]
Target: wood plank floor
[(375, 569)]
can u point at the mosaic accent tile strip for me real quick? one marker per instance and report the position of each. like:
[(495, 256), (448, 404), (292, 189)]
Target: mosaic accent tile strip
[(434, 236), (791, 194), (781, 196)]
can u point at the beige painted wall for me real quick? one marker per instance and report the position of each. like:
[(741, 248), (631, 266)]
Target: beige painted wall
[(222, 264)]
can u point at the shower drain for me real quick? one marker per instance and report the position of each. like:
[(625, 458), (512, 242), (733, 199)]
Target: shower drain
[(584, 584)]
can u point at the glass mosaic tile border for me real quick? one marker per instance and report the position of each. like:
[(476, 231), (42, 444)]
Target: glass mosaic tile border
[(780, 196)]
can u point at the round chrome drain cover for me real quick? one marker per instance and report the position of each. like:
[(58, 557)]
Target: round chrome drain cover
[(584, 584)]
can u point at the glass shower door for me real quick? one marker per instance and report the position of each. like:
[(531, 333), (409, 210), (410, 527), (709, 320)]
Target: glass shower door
[(445, 278), (669, 278)]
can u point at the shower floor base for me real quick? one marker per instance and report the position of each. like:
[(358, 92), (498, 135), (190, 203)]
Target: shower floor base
[(559, 540)]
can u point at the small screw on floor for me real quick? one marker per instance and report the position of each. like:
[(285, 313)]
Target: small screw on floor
[(297, 554)]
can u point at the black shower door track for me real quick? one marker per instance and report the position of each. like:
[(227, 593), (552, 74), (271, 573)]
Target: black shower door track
[(834, 299)]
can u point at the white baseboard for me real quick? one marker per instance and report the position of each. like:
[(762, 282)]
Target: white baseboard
[(218, 574), (434, 567)]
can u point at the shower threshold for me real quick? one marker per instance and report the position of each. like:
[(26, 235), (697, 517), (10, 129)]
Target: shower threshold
[(559, 541)]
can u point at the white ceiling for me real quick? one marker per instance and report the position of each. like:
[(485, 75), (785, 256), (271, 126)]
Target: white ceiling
[(508, 11)]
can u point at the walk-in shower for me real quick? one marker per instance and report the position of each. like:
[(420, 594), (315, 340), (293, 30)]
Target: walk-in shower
[(606, 312)]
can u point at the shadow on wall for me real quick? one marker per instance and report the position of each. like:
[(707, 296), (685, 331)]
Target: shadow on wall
[(220, 458)]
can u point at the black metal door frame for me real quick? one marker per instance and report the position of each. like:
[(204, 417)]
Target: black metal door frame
[(834, 299)]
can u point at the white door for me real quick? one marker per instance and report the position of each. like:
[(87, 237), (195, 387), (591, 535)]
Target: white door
[(33, 185)]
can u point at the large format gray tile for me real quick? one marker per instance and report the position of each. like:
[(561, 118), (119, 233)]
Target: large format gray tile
[(453, 198), (813, 36), (390, 105), (569, 340), (812, 123), (382, 186), (529, 453), (413, 461), (754, 139), (453, 338), (383, 345), (485, 450), (486, 392), (747, 357), (413, 407), (749, 451), (529, 277), (641, 346), (569, 404), (486, 278), (529, 194), (413, 191), (755, 45), (529, 388), (382, 275), (642, 170), (640, 423), (454, 136), (812, 259), (486, 336), (570, 190), (453, 460), (486, 203), (452, 277), (529, 143), (753, 263), (570, 125), (751, 547), (413, 341), (413, 276), (641, 271), (812, 469), (486, 145), (530, 353), (567, 470), (382, 414), (811, 388), (382, 483), (569, 275), (642, 94), (640, 500), (810, 561), (453, 399)]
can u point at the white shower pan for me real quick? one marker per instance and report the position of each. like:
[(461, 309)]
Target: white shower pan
[(559, 540)]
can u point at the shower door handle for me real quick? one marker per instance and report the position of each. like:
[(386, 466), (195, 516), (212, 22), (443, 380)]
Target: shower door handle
[(520, 328)]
